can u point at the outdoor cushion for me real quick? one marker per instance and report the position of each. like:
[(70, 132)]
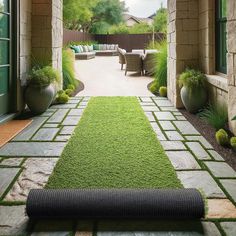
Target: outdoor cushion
[(73, 48), (77, 49), (90, 48), (85, 48)]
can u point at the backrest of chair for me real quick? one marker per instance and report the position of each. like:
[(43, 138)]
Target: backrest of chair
[(133, 61)]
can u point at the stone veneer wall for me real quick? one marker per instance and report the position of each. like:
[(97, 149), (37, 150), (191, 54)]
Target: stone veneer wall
[(231, 28), (24, 49), (183, 40), (47, 31)]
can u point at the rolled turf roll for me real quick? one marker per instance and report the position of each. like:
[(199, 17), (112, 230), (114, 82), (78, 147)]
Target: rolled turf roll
[(115, 204)]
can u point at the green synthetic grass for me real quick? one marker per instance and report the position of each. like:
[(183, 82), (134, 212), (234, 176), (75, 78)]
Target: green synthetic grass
[(113, 146)]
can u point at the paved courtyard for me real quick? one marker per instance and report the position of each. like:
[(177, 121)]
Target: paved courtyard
[(102, 76), (28, 160)]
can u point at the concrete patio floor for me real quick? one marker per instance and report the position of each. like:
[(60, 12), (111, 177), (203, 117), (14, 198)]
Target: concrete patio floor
[(102, 76)]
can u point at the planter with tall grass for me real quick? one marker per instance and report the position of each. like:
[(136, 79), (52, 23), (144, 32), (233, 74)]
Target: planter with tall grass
[(193, 90)]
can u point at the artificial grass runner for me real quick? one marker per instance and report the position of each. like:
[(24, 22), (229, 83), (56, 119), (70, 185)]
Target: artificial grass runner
[(113, 146)]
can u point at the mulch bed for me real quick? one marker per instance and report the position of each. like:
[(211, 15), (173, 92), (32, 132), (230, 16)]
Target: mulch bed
[(209, 133)]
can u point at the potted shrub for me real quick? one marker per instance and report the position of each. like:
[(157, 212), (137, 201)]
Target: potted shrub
[(193, 90), (40, 91)]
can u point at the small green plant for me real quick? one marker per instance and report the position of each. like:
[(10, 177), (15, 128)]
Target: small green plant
[(216, 115), (222, 137), (69, 92), (233, 143), (62, 98), (154, 87), (43, 77), (163, 91), (192, 79), (71, 86), (68, 69)]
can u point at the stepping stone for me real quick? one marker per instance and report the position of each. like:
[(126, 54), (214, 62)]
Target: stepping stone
[(210, 229), (50, 125), (185, 127), (229, 228), (220, 169), (33, 149), (147, 104), (58, 116), (71, 120), (161, 115), (146, 99), (150, 108), (150, 116), (11, 162), (67, 130), (34, 176), (45, 134), (169, 109), (167, 125), (62, 138), (182, 160), (86, 99), (76, 112), (83, 103), (73, 101), (177, 113), (220, 208), (216, 155), (163, 103), (174, 135), (13, 220), (201, 180), (201, 139), (7, 175), (173, 145), (158, 131), (198, 150), (64, 106), (29, 131), (180, 118), (48, 113), (230, 187)]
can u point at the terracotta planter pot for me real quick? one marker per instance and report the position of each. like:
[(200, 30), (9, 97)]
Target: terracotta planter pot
[(39, 99), (194, 100)]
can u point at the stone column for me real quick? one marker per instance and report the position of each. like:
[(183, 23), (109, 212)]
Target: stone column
[(183, 26), (231, 29), (47, 31)]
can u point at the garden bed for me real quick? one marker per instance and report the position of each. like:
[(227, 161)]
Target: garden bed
[(209, 133)]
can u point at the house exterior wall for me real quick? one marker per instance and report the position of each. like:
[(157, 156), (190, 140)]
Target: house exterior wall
[(191, 40), (231, 28)]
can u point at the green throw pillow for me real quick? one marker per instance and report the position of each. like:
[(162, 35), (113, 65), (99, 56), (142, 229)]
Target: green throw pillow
[(96, 47)]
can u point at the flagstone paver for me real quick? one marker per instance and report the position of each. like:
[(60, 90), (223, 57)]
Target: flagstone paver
[(182, 160), (150, 116), (201, 180), (168, 109), (13, 220), (198, 150), (230, 186), (220, 169), (163, 103), (50, 125), (216, 155), (45, 134), (76, 112), (185, 127), (158, 131), (162, 115), (11, 162), (150, 108), (31, 177), (201, 139), (229, 228), (210, 229), (71, 120), (58, 116), (67, 130), (7, 175), (173, 145), (167, 125), (65, 106), (62, 138), (174, 135), (29, 131)]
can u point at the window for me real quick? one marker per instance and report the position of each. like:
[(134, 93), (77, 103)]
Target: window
[(221, 36)]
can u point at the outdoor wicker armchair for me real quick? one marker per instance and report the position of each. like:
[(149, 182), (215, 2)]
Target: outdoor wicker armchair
[(149, 63), (121, 53), (134, 63)]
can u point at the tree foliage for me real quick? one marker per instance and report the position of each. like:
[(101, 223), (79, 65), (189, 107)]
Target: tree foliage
[(160, 20), (92, 15)]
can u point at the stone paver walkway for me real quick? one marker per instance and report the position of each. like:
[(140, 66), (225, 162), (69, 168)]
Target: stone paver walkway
[(28, 160)]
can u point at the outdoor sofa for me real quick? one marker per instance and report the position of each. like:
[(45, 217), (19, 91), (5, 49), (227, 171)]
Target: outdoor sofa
[(86, 52)]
